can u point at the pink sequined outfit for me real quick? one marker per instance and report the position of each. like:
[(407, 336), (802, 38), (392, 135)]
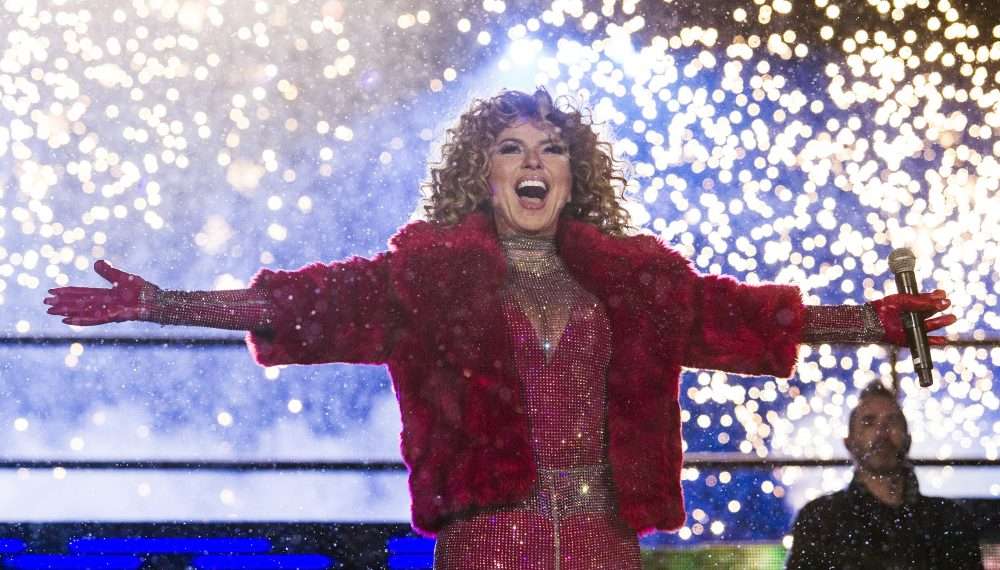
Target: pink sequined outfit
[(560, 339)]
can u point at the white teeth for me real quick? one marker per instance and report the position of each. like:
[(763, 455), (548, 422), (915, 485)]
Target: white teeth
[(527, 183)]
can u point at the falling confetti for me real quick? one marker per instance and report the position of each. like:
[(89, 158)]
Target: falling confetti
[(792, 141)]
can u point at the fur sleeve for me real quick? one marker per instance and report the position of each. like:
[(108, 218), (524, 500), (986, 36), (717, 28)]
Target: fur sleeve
[(340, 312), (746, 329)]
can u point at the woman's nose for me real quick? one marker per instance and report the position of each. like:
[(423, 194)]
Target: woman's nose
[(532, 159)]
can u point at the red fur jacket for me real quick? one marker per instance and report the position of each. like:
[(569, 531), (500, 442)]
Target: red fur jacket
[(430, 308)]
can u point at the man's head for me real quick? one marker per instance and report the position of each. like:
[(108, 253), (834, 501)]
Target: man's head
[(877, 436)]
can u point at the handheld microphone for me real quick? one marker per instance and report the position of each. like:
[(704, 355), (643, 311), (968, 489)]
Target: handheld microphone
[(902, 262)]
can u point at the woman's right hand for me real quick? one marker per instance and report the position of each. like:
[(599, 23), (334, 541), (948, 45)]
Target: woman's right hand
[(86, 306)]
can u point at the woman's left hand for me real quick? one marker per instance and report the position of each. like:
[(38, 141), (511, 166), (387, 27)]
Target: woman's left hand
[(891, 308)]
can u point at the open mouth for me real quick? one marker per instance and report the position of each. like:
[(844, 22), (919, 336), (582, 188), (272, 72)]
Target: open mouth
[(531, 193)]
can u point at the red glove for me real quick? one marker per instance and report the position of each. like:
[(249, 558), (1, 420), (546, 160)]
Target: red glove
[(96, 306), (891, 308)]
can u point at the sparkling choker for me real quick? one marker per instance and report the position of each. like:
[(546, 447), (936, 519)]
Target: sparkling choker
[(531, 254)]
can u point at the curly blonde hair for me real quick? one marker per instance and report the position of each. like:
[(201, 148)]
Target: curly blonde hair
[(457, 185)]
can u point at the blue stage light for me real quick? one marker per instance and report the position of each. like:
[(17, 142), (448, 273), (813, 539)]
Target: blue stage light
[(11, 545), (169, 545), (409, 545), (411, 562), (410, 553), (60, 562), (270, 562)]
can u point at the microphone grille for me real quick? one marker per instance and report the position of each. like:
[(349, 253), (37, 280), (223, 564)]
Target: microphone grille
[(902, 259)]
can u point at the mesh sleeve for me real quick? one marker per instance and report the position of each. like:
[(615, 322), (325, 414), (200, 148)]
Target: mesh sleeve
[(842, 323), (242, 309)]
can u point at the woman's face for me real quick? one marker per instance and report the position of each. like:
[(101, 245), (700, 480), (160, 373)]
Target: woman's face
[(529, 178)]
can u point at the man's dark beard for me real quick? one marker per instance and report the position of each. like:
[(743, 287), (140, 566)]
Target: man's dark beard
[(899, 467)]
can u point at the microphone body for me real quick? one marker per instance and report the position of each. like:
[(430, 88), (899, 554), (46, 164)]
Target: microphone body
[(902, 262)]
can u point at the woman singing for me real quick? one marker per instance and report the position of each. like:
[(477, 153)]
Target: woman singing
[(534, 347)]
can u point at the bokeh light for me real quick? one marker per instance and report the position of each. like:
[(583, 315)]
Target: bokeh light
[(795, 141)]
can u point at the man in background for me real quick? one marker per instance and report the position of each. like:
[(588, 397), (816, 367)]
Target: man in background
[(881, 520)]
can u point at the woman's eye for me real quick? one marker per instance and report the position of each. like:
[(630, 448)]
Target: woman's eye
[(555, 149), (508, 148)]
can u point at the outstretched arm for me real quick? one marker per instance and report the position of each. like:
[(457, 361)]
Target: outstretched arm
[(877, 321), (754, 329), (132, 298)]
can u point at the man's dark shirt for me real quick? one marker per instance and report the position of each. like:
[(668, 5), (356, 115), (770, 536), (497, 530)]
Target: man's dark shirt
[(851, 529)]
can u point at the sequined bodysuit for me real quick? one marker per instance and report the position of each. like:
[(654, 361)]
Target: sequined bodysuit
[(559, 336)]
